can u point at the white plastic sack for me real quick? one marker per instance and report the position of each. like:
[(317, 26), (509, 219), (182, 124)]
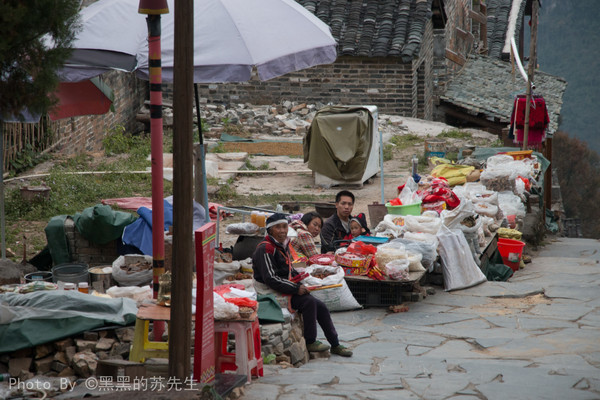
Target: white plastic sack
[(511, 204), (414, 262), (421, 237), (397, 269), (233, 292), (223, 270), (458, 266), (422, 223), (427, 250), (336, 299), (486, 209), (223, 309), (133, 279), (452, 218)]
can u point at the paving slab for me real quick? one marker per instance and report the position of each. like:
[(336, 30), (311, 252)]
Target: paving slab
[(567, 312), (574, 291), (424, 318), (437, 387), (504, 289)]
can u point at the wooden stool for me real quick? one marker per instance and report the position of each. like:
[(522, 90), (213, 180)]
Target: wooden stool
[(247, 359), (142, 348)]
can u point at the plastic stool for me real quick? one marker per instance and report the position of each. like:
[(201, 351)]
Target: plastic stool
[(142, 348), (247, 359)]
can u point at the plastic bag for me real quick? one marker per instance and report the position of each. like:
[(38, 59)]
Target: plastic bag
[(511, 204), (223, 309), (397, 269), (124, 278), (361, 248), (414, 262), (458, 266), (388, 252), (336, 299), (451, 218), (427, 250), (243, 228), (139, 294), (223, 270)]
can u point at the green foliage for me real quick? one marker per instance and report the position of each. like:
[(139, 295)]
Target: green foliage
[(219, 148), (578, 169), (71, 193), (27, 64), (388, 152), (26, 159), (455, 134), (118, 141)]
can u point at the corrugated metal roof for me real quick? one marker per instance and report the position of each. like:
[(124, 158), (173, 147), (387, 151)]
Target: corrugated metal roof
[(374, 28), (487, 85)]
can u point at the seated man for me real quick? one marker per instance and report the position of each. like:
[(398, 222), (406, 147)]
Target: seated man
[(273, 270), (337, 227)]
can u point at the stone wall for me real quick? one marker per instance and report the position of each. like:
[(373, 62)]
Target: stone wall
[(84, 134), (285, 340)]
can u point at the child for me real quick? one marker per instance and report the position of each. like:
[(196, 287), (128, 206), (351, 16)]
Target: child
[(358, 226)]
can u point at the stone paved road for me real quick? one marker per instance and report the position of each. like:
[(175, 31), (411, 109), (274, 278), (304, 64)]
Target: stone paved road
[(534, 337)]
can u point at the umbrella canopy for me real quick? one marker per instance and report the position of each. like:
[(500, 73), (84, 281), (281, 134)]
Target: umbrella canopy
[(231, 37)]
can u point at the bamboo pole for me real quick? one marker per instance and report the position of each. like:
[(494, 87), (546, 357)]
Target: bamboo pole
[(531, 68)]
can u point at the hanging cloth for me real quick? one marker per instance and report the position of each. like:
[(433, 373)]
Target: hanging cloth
[(538, 119)]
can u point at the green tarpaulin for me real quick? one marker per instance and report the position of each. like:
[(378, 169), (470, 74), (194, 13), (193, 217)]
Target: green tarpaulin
[(40, 317), (338, 142)]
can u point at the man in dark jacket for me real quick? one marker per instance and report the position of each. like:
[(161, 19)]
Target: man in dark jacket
[(272, 267), (337, 227)]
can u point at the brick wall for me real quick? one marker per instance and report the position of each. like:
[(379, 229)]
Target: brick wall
[(81, 134), (385, 82)]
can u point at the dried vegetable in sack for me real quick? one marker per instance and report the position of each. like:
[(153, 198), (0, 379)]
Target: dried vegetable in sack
[(397, 269), (336, 299), (322, 259)]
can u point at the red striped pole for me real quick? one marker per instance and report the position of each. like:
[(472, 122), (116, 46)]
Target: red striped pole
[(154, 8)]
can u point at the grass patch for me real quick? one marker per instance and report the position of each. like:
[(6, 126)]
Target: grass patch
[(388, 152), (406, 141), (455, 134), (219, 148), (251, 167)]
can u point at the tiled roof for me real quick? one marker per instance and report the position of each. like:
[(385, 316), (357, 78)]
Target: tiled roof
[(488, 86), (374, 28), (498, 12)]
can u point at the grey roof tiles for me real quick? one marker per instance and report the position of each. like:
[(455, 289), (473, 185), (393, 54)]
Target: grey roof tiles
[(488, 86), (374, 28)]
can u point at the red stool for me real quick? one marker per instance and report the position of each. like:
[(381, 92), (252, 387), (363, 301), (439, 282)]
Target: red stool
[(247, 359)]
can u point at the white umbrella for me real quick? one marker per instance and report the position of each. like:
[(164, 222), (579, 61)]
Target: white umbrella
[(230, 37)]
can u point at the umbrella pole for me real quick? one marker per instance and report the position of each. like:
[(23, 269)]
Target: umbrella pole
[(203, 200), (156, 144)]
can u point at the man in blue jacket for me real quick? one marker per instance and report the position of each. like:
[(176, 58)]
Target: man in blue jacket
[(272, 266)]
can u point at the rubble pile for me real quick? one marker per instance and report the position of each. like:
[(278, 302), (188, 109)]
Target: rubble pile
[(288, 119), (77, 356)]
